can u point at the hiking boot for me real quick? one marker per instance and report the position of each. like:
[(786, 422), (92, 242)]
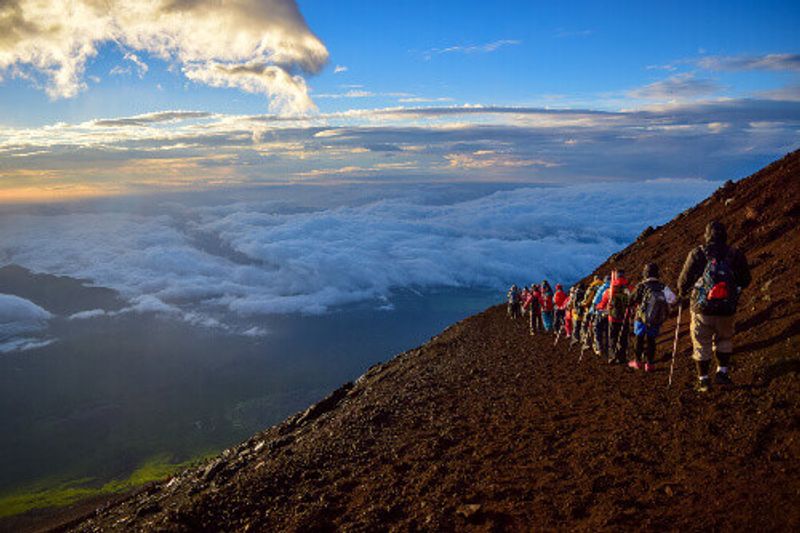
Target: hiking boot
[(702, 385), (649, 368), (722, 378), (634, 364)]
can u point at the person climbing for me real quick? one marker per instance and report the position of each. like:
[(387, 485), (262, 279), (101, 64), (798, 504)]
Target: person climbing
[(577, 292), (600, 319), (713, 276), (533, 306), (650, 301), (546, 300), (615, 302), (587, 312), (513, 297), (560, 304)]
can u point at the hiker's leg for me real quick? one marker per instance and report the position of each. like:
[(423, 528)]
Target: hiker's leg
[(723, 340), (638, 349), (702, 332), (702, 337), (651, 348)]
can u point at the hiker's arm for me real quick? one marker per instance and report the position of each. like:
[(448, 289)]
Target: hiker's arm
[(670, 296), (692, 269)]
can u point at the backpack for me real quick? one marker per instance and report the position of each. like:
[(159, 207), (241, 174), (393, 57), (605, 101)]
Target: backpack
[(715, 292), (654, 308), (618, 303)]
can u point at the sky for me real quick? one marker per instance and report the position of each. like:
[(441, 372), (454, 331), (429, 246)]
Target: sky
[(114, 98)]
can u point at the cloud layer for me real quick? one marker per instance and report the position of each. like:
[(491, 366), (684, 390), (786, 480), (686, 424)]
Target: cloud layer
[(257, 46), (216, 264)]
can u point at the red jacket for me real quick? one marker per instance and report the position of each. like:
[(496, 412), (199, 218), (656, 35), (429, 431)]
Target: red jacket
[(560, 299), (620, 284)]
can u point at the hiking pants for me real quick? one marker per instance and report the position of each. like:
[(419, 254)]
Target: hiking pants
[(576, 328), (559, 321), (601, 334), (618, 342), (547, 320), (513, 310), (645, 341), (711, 333), (536, 319)]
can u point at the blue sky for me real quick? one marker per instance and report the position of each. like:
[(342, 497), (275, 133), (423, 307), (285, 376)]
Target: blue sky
[(712, 85)]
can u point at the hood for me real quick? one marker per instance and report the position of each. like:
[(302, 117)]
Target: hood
[(716, 233)]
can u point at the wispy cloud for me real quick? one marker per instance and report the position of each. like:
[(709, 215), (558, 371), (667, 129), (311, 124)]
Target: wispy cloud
[(252, 45), (472, 49), (678, 87), (776, 62), (339, 69)]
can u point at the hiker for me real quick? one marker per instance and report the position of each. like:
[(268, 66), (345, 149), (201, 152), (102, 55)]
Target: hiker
[(615, 302), (577, 292), (713, 275), (560, 304), (587, 312), (534, 309), (600, 319), (513, 302), (651, 301), (524, 294), (546, 299)]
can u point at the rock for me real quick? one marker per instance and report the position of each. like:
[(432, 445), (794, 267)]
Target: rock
[(468, 510), (212, 470)]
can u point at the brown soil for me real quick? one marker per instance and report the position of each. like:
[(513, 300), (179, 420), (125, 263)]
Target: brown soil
[(486, 428)]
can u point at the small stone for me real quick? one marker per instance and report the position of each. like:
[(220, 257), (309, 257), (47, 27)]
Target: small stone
[(468, 510)]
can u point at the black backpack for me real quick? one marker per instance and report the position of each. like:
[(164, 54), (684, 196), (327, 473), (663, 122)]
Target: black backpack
[(654, 308), (716, 292)]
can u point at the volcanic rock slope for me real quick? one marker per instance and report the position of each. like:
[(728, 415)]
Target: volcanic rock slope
[(487, 428)]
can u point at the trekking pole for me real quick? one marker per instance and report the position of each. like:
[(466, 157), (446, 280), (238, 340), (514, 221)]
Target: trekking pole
[(558, 336), (675, 344)]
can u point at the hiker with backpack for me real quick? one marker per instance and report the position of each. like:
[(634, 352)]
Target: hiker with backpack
[(513, 298), (651, 301), (560, 305), (713, 277), (600, 319), (615, 302), (588, 313), (576, 294), (533, 306), (546, 300)]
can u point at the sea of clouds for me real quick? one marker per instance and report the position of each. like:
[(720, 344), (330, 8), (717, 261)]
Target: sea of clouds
[(219, 264)]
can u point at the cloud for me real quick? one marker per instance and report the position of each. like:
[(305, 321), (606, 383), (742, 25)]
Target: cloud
[(491, 159), (152, 118), (352, 93), (19, 318), (183, 149), (220, 263), (778, 62), (258, 46), (678, 87), (485, 48), (339, 69)]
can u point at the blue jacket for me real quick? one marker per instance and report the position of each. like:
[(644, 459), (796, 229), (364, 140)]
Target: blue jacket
[(599, 294)]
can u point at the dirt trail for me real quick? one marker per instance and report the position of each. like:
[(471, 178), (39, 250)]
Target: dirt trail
[(487, 428)]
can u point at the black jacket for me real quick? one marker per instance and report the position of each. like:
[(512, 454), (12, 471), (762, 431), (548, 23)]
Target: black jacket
[(696, 263)]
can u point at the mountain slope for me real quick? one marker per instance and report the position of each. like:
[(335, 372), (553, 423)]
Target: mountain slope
[(486, 428)]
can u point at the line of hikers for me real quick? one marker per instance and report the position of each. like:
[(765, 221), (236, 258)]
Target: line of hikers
[(602, 315)]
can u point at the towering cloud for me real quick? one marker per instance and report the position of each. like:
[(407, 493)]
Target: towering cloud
[(259, 46)]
